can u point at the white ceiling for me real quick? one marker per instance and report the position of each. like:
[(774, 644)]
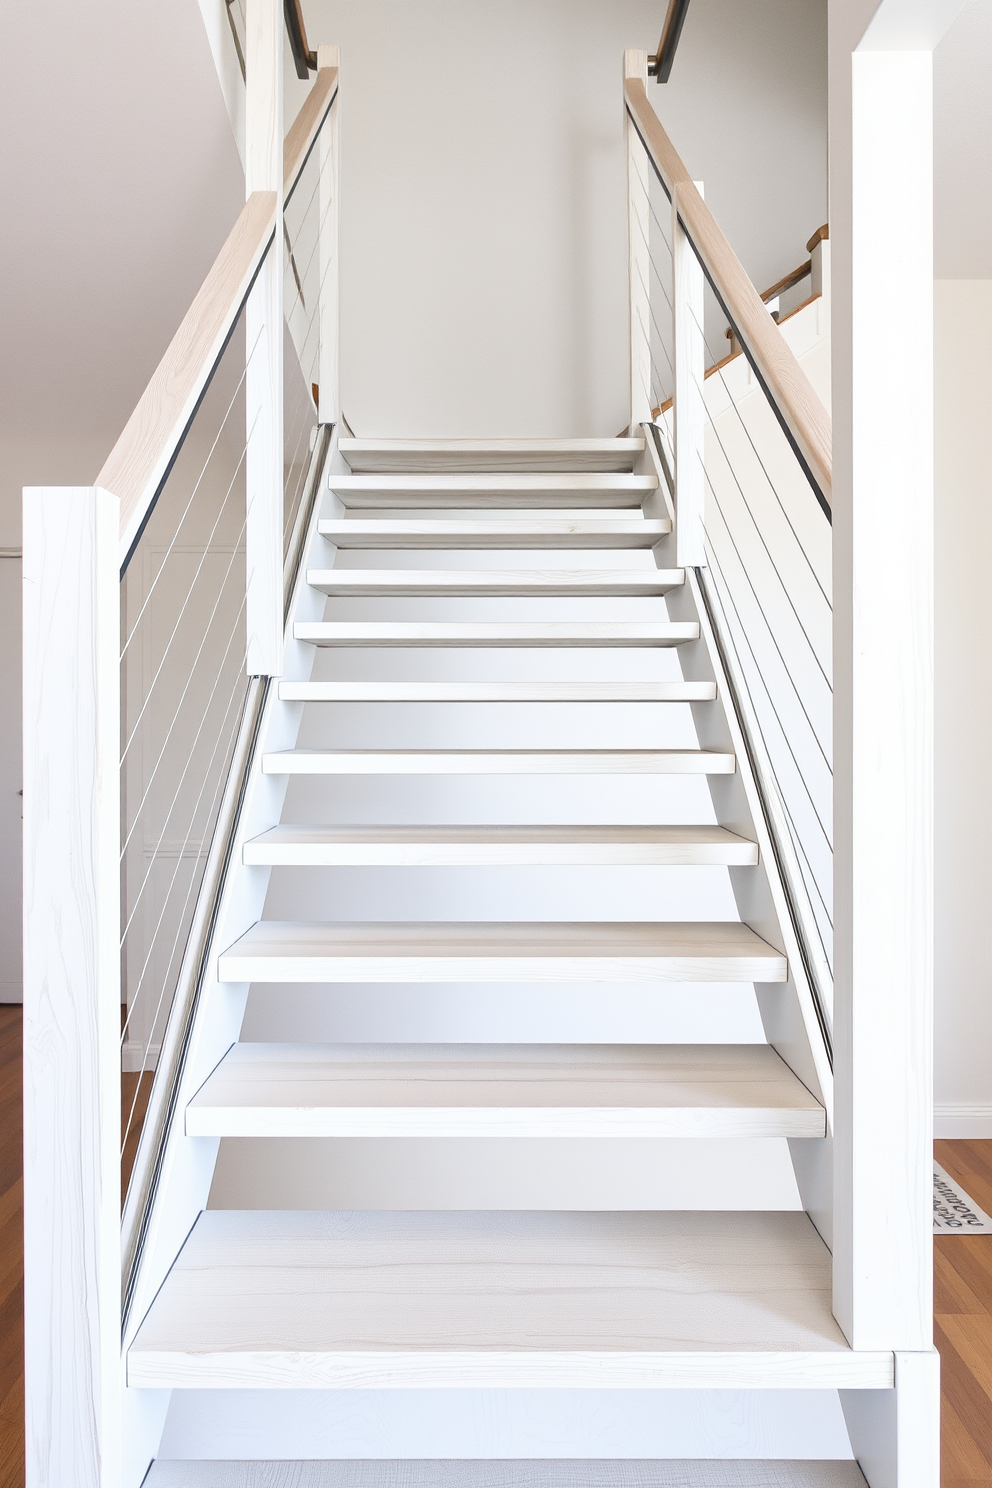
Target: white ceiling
[(119, 179)]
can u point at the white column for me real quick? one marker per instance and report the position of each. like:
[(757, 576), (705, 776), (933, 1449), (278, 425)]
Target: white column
[(264, 342), (72, 1085), (329, 157), (635, 65), (689, 409)]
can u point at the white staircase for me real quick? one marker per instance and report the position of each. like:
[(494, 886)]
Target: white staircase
[(267, 1299)]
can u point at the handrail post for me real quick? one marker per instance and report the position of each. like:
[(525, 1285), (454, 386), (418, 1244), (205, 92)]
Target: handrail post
[(635, 65), (72, 988), (329, 393), (689, 409), (264, 475)]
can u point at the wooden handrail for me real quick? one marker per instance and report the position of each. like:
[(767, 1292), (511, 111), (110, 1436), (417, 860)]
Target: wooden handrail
[(800, 412), (304, 58), (140, 460), (795, 277), (306, 126), (660, 65)]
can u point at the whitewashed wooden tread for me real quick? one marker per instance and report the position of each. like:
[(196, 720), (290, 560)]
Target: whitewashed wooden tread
[(509, 1473), (513, 634), (404, 456), (493, 1090), (498, 1300), (490, 951), (497, 692), (617, 532), (505, 490), (523, 583), (357, 846), (498, 762)]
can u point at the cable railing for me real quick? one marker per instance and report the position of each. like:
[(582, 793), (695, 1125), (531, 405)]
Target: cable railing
[(155, 608), (745, 441)]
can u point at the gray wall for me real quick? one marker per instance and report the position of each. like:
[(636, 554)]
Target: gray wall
[(484, 257)]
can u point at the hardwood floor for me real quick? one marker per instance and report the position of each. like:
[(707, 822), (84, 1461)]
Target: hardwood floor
[(963, 1326), (962, 1294)]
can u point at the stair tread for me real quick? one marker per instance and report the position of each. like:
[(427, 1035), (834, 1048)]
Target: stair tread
[(496, 532), (478, 1090), (498, 692), (493, 951), (508, 1473), (498, 762), (495, 582), (512, 633), (498, 1299), (331, 844), (404, 455), (488, 489)]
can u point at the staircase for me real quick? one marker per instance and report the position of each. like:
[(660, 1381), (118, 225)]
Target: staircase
[(453, 821), (269, 1299)]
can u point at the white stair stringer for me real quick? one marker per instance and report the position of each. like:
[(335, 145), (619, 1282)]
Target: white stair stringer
[(187, 1166), (734, 1300)]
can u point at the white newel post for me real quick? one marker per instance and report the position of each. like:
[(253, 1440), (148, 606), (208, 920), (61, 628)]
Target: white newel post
[(264, 342), (635, 65), (72, 1084), (329, 156), (688, 409), (881, 204)]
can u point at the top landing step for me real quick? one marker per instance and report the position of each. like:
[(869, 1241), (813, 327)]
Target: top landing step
[(464, 455), (514, 1473)]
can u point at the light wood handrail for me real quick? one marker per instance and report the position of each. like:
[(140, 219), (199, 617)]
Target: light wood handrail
[(306, 126), (793, 398), (140, 460)]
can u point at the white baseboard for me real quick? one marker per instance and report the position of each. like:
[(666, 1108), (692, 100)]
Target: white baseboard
[(135, 1057), (963, 1121)]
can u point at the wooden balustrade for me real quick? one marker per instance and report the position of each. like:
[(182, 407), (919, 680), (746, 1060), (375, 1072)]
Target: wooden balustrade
[(799, 410)]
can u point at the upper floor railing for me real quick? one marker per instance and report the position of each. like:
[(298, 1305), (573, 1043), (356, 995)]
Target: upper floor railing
[(745, 441)]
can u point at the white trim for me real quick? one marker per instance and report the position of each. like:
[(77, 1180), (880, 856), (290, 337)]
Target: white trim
[(961, 1121), (135, 1058)]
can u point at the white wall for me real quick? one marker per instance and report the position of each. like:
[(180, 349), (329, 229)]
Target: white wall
[(963, 538), (483, 258)]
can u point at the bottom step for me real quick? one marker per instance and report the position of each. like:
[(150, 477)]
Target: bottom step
[(515, 1300), (516, 1473)]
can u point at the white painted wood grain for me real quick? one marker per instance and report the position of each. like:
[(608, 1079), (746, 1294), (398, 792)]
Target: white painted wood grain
[(264, 341), (501, 633), (493, 1090), (339, 1300), (328, 251), (896, 1436), (691, 951), (496, 532), (71, 638), (498, 692), (504, 490), (883, 650), (490, 455), (323, 846), (689, 410), (510, 583), (498, 762), (635, 65)]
